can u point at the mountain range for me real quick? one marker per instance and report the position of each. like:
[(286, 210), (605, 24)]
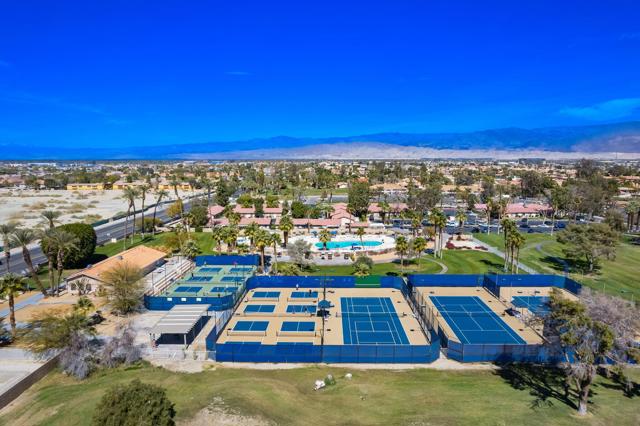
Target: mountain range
[(621, 140)]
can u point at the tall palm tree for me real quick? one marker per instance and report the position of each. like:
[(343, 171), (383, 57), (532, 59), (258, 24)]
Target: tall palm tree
[(275, 242), (48, 237), (402, 247), (50, 217), (22, 238), (6, 229), (384, 211), (324, 237), (508, 227), (632, 210), (439, 222), (160, 195), (286, 226), (230, 237), (65, 241), (360, 233), (232, 217), (250, 232), (461, 218), (129, 194), (262, 240), (518, 242), (419, 245), (488, 208), (217, 236), (144, 190), (10, 286)]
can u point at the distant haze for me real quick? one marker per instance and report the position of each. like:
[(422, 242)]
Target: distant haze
[(617, 140)]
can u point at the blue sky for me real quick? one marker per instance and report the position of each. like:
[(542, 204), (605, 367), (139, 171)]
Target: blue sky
[(120, 73)]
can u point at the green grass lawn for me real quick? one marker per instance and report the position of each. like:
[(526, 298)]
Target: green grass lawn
[(203, 239), (518, 396), (618, 277), (458, 262)]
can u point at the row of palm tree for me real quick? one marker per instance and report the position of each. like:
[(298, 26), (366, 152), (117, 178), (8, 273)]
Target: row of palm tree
[(513, 242), (405, 247), (130, 195)]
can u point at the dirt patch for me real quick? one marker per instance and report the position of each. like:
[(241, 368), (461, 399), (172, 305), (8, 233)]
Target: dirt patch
[(219, 414)]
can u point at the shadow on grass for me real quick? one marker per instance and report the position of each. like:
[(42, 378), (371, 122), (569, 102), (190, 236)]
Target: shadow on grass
[(622, 383), (492, 265), (545, 384)]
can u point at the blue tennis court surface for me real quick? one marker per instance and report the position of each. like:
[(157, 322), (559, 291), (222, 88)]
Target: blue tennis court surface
[(222, 289), (266, 294), (371, 321), (301, 309), (538, 305), (187, 289), (209, 270), (253, 309), (231, 278), (473, 322), (239, 269), (297, 326), (304, 295), (198, 279), (251, 326)]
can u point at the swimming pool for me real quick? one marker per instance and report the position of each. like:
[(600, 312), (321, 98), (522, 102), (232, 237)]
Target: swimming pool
[(348, 244)]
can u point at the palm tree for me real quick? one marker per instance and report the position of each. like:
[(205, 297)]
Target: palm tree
[(439, 222), (416, 222), (262, 241), (286, 226), (232, 217), (419, 245), (361, 269), (6, 229), (230, 234), (64, 241), (48, 238), (22, 238), (10, 286), (216, 236), (144, 190), (50, 217), (324, 237), (402, 247), (384, 211), (250, 232), (160, 194), (360, 233), (275, 241), (508, 227), (518, 242), (461, 217), (632, 210), (489, 207), (130, 195)]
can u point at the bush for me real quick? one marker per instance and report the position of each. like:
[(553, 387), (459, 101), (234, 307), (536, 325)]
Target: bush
[(135, 404), (86, 244), (148, 224)]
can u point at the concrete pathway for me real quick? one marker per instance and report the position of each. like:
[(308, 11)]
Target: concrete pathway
[(499, 253), (443, 268)]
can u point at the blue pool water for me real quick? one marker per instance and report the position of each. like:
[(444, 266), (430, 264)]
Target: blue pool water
[(349, 244)]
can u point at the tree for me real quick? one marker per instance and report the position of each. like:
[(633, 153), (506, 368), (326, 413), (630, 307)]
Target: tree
[(22, 238), (361, 269), (589, 243), (286, 226), (199, 215), (176, 209), (144, 190), (361, 233), (251, 231), (324, 237), (298, 252), (581, 341), (275, 242), (402, 247), (439, 222), (419, 245), (190, 249), (461, 218), (71, 336), (121, 348), (298, 209), (10, 286), (217, 236), (262, 240), (230, 237), (80, 255), (50, 216), (64, 242), (123, 288), (6, 230), (289, 269), (135, 404), (129, 194), (615, 219), (358, 198), (160, 195)]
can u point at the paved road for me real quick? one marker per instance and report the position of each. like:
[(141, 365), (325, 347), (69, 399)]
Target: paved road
[(104, 232)]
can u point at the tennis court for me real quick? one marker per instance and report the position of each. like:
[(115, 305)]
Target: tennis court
[(186, 289), (266, 295), (254, 309), (304, 295), (197, 279), (257, 327), (371, 321), (231, 278), (473, 322), (209, 270), (301, 309), (537, 305), (298, 326)]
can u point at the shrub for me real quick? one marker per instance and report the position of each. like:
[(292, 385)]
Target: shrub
[(77, 257), (135, 404)]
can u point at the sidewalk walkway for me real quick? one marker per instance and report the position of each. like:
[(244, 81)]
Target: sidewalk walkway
[(494, 250)]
